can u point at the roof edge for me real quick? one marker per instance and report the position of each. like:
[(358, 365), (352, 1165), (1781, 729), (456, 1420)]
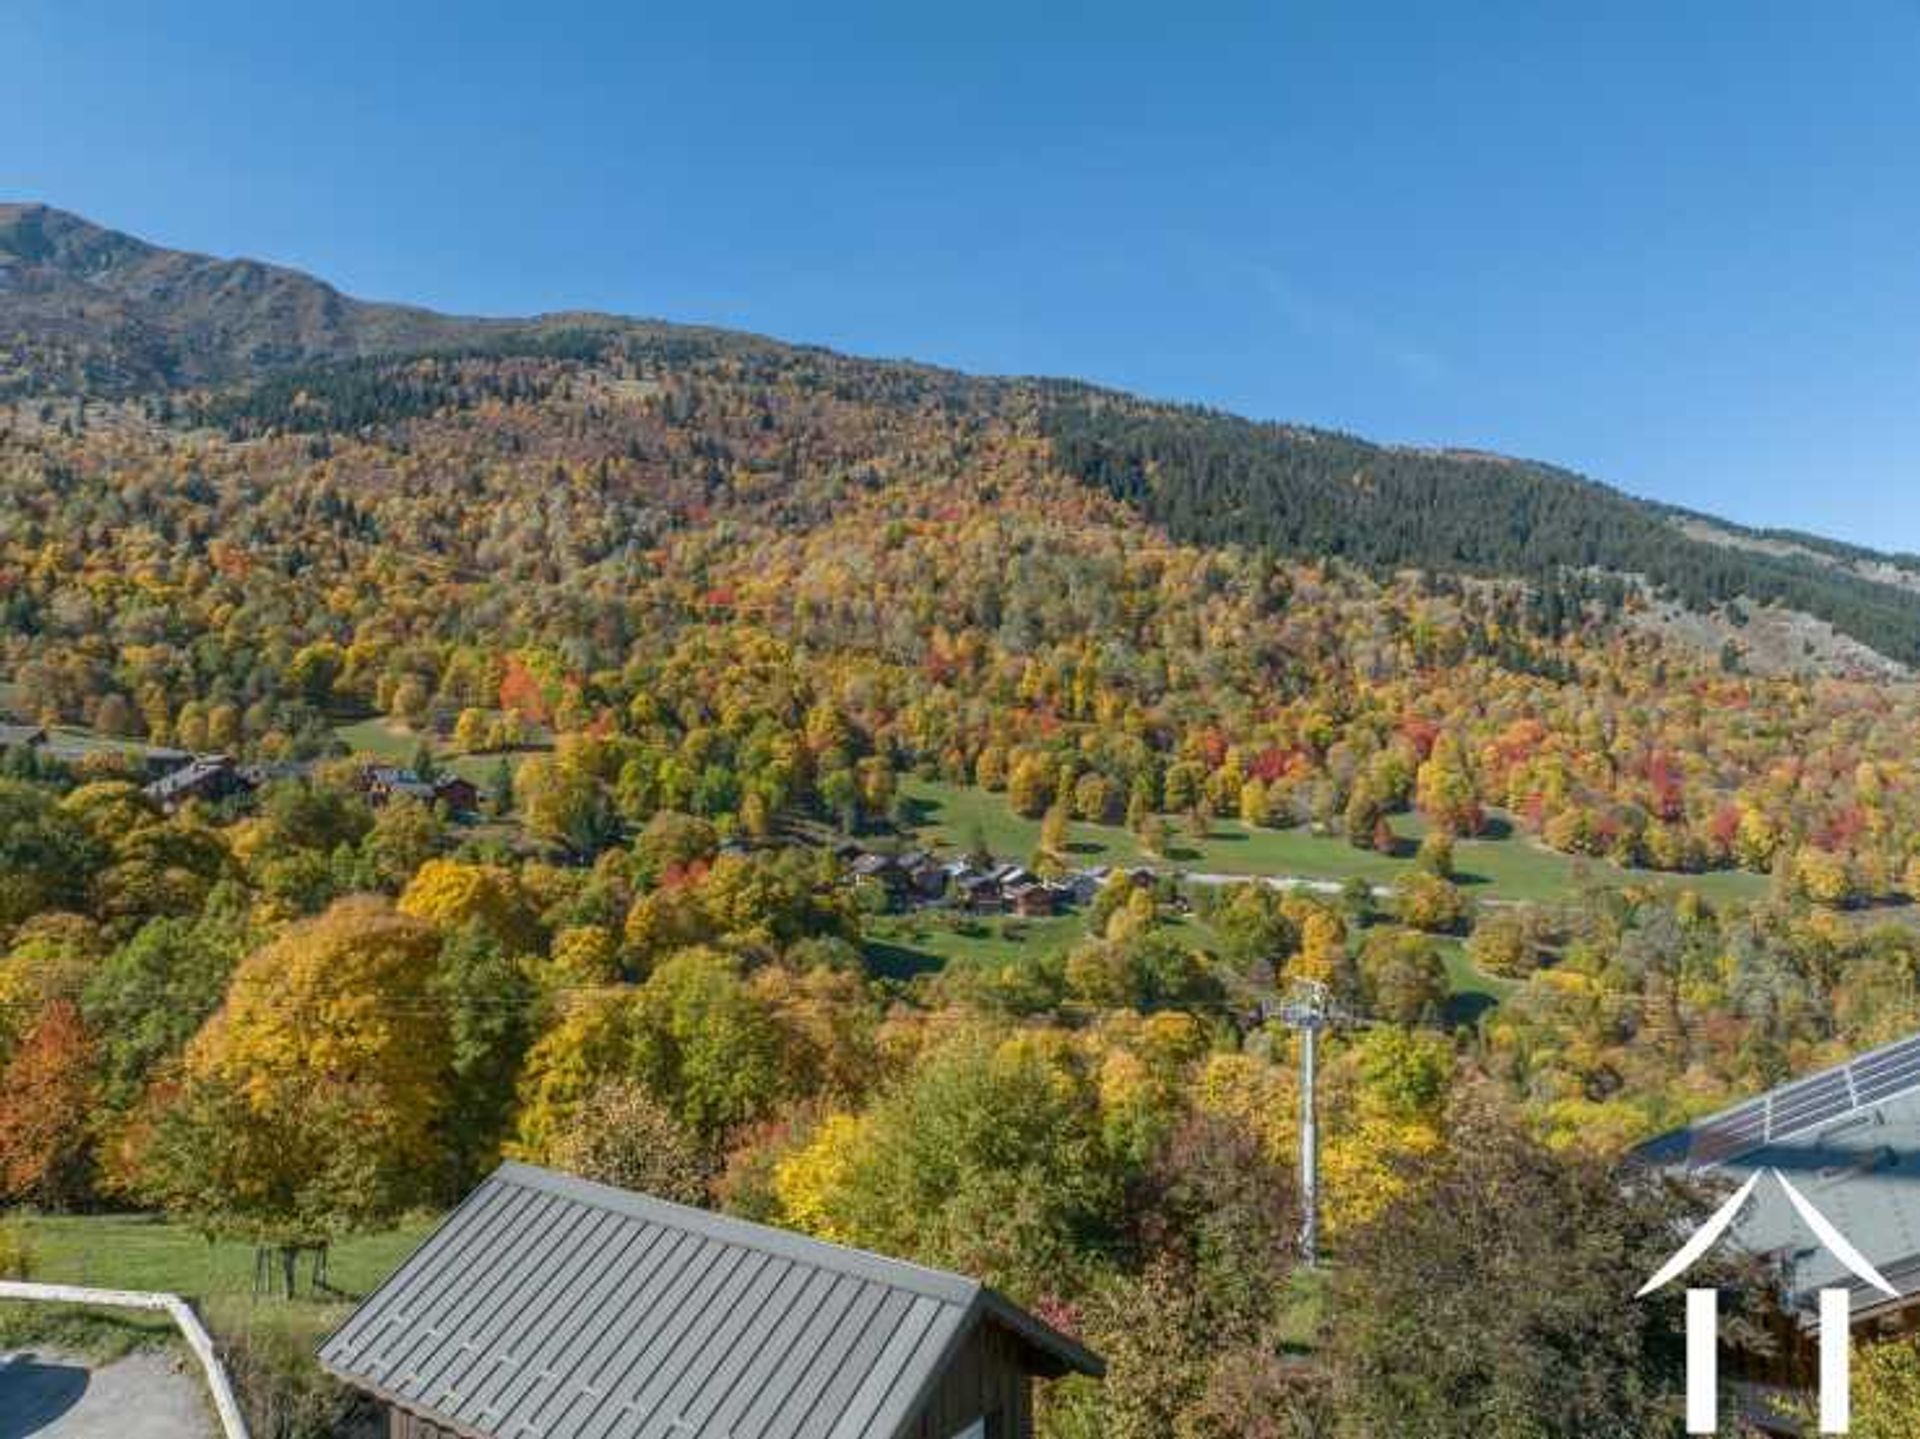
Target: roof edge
[(1061, 1354), (899, 1273), (1065, 1353)]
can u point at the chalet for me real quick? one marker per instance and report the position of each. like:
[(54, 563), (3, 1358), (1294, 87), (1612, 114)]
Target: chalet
[(547, 1307), (1849, 1138), (959, 871), (884, 870), (1082, 886), (382, 783), (926, 876), (981, 894), (209, 777), (460, 796), (1034, 900)]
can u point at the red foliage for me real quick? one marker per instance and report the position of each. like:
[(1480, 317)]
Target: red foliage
[(684, 876), (1420, 733), (1270, 764), (48, 1086), (1724, 825), (521, 693), (1841, 829), (1212, 745), (1669, 793)]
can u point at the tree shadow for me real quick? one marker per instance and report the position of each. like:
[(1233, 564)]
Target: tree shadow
[(1466, 879), (916, 811), (1466, 1008), (898, 961), (34, 1394), (1495, 827)]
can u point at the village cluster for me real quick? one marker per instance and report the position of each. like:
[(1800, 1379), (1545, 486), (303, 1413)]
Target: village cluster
[(979, 885), (175, 777)]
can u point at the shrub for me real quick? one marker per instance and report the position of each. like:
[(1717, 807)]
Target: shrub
[(16, 1254), (286, 1395)]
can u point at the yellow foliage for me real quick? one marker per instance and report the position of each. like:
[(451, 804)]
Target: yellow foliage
[(340, 1003), (1260, 1096), (583, 1046), (807, 1180), (450, 894), (1360, 1165), (585, 954)]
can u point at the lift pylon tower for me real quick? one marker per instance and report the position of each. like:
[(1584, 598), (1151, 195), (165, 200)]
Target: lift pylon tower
[(1308, 1009)]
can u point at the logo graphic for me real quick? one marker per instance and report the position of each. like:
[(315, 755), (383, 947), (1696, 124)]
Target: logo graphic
[(1703, 1310)]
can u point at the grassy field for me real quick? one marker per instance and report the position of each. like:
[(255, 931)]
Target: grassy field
[(901, 946), (398, 743), (387, 738), (143, 1252), (1503, 868)]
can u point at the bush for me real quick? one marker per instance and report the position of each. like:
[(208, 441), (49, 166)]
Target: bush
[(16, 1254), (286, 1395), (99, 1335)]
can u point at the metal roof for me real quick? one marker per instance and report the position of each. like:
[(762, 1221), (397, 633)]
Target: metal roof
[(548, 1307), (1805, 1105), (1849, 1138)]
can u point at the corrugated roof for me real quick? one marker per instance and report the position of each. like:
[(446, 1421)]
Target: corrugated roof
[(548, 1307)]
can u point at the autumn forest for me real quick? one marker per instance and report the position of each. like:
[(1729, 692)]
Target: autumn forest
[(559, 680)]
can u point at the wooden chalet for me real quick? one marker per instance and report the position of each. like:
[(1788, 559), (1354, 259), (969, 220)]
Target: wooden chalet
[(547, 1307), (208, 777), (1035, 900), (384, 783)]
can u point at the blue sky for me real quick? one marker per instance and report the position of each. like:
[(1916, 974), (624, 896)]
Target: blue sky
[(1670, 244)]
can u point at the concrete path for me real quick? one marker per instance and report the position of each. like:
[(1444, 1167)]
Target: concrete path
[(151, 1395)]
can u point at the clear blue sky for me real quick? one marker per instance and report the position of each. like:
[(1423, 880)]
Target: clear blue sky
[(1672, 244)]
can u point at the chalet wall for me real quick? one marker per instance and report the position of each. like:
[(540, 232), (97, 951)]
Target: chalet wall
[(986, 1378), (402, 1425)]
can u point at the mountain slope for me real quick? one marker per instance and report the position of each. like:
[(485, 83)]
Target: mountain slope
[(1214, 478), (90, 311)]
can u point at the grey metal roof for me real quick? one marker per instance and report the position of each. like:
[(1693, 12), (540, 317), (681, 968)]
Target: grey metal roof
[(1849, 1138), (548, 1307)]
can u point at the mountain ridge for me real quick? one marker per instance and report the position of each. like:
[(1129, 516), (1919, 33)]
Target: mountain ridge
[(89, 311)]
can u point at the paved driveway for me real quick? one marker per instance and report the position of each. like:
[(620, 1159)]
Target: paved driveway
[(144, 1396)]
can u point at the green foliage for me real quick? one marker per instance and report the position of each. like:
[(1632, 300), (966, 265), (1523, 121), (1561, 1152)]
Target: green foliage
[(987, 1160), (46, 856), (1213, 478), (1487, 1301), (151, 994)]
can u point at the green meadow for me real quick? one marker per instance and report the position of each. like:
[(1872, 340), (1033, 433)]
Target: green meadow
[(1507, 866)]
